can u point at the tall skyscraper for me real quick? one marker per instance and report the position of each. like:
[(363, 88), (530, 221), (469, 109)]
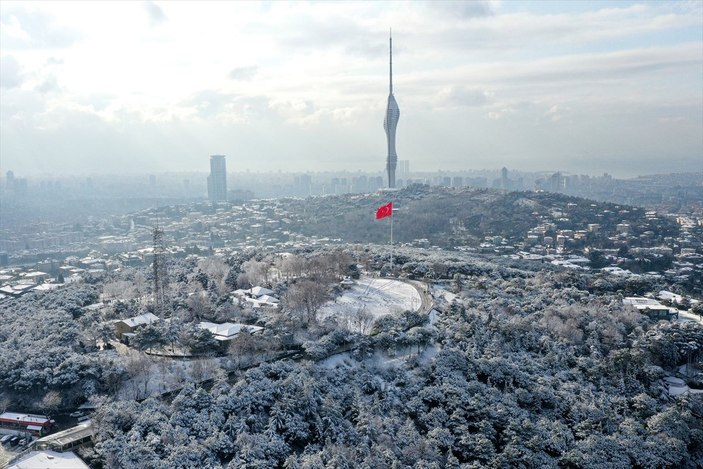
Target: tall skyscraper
[(217, 180), (389, 125)]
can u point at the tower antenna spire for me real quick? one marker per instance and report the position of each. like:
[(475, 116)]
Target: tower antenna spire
[(391, 122), (390, 39)]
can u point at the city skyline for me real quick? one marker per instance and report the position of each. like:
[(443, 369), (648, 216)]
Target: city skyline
[(573, 86)]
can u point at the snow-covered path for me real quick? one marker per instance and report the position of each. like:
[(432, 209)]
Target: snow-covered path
[(374, 296)]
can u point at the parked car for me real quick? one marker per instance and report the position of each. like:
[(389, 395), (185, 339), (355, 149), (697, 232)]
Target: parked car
[(22, 442), (14, 440), (76, 414), (5, 439)]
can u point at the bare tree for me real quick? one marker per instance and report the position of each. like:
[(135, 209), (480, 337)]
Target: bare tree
[(203, 369), (51, 402), (340, 262), (359, 321), (120, 289), (253, 273), (306, 296), (139, 369), (290, 266), (216, 270), (199, 305)]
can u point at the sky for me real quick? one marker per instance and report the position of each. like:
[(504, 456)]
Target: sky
[(135, 87)]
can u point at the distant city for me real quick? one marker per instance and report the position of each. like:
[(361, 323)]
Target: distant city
[(650, 189), (46, 217)]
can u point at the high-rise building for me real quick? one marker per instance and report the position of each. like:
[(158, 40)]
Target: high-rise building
[(217, 180), (403, 169), (389, 125)]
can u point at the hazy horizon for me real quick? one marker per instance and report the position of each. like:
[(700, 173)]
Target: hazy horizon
[(203, 173), (156, 87)]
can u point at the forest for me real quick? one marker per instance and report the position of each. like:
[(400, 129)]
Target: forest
[(520, 365), (440, 214)]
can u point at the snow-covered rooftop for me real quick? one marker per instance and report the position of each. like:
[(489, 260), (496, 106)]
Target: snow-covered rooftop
[(49, 460), (261, 291), (140, 320), (228, 330)]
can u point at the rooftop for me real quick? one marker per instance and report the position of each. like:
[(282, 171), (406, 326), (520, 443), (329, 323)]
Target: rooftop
[(49, 460)]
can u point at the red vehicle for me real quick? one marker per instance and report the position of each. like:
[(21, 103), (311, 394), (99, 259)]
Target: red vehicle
[(35, 424)]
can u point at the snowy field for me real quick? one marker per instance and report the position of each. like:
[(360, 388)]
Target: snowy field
[(373, 296)]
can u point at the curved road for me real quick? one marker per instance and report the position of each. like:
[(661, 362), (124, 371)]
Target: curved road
[(423, 289)]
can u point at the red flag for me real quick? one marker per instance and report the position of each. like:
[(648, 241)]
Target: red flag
[(384, 211)]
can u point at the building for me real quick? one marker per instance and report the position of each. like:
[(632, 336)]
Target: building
[(48, 460), (217, 180), (125, 327), (390, 122), (68, 439), (651, 308), (403, 169), (227, 331), (21, 423)]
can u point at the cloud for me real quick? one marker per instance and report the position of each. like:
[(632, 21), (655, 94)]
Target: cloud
[(156, 14), (243, 73), (49, 85), (558, 112), (458, 95), (10, 76), (209, 103), (368, 48), (499, 82), (21, 29), (464, 9)]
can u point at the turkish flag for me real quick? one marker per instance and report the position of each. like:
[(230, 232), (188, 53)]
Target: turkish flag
[(384, 211)]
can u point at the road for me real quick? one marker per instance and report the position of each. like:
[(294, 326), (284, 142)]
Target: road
[(427, 303)]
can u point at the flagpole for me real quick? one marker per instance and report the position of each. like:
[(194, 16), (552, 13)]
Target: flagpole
[(391, 242)]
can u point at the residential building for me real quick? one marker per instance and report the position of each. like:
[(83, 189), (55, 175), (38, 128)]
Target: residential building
[(217, 180)]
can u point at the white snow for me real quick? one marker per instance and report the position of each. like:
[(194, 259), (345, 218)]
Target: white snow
[(155, 375), (688, 316), (677, 386), (375, 296), (339, 360)]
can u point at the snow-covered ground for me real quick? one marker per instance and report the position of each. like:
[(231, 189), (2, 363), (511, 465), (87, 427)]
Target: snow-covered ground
[(381, 359), (677, 386), (374, 296), (153, 375), (688, 316)]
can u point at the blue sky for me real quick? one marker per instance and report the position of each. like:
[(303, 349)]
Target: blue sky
[(109, 87)]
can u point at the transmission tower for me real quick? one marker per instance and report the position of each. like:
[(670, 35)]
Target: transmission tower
[(159, 270)]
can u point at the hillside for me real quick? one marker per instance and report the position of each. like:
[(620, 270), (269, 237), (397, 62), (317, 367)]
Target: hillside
[(455, 217)]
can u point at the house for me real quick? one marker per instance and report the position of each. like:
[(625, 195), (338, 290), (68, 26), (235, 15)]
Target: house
[(126, 327), (669, 296), (17, 289), (650, 307), (227, 331), (264, 301), (256, 292), (36, 277), (257, 297)]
